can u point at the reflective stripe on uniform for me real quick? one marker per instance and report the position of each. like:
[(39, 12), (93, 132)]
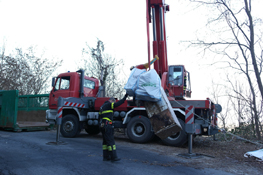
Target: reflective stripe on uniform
[(104, 147), (114, 147), (112, 105), (106, 118), (109, 148), (108, 111)]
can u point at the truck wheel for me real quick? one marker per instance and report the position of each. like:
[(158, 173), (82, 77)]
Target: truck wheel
[(139, 129), (70, 126), (178, 139), (93, 130)]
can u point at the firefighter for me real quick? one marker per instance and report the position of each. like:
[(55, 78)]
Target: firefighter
[(107, 129)]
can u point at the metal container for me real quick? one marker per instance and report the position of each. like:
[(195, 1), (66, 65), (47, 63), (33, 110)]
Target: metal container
[(25, 112), (162, 117)]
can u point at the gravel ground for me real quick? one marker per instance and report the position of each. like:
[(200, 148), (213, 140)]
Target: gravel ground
[(221, 155)]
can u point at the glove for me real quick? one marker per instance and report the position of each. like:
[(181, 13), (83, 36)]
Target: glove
[(126, 95), (132, 68)]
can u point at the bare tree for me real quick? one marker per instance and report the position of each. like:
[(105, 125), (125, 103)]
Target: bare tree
[(239, 44), (104, 67), (238, 100), (218, 97), (26, 72)]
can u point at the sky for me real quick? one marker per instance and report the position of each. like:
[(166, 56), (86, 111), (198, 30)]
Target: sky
[(62, 27)]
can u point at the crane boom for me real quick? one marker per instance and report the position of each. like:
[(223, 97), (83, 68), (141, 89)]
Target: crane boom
[(156, 10)]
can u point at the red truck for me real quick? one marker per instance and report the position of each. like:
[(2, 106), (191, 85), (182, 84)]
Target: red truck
[(82, 96)]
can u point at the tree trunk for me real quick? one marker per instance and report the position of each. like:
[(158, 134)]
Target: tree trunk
[(252, 49)]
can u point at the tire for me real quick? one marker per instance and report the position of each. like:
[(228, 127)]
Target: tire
[(93, 130), (178, 139), (139, 129), (70, 126)]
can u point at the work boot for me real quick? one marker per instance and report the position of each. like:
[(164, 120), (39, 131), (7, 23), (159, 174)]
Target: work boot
[(115, 159), (114, 156), (106, 156)]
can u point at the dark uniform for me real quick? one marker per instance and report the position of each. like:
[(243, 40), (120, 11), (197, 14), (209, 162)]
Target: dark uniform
[(107, 130)]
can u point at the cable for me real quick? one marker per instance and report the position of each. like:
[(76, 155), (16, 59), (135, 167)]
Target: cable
[(222, 129)]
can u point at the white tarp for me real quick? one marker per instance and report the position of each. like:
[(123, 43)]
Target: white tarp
[(130, 86), (148, 87), (258, 154)]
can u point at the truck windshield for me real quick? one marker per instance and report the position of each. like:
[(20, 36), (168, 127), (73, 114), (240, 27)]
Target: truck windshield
[(62, 83), (175, 75)]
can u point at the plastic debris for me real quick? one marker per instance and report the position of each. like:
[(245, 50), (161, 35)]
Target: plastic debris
[(257, 153)]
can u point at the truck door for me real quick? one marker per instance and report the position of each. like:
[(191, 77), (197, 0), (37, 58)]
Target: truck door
[(61, 89)]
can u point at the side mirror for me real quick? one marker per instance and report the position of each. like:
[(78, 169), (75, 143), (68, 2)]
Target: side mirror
[(218, 108), (53, 81)]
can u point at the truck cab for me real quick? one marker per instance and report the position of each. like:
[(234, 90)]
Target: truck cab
[(68, 85), (178, 82)]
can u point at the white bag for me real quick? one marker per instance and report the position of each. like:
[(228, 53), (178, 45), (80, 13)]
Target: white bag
[(130, 86), (148, 87)]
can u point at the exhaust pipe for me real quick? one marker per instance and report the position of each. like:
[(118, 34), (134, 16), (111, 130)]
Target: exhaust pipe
[(81, 94)]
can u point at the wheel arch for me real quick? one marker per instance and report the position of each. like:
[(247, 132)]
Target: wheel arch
[(70, 110), (134, 112)]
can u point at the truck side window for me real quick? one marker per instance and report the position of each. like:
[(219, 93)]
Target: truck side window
[(89, 84), (64, 83)]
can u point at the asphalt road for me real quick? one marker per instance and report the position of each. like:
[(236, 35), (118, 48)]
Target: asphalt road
[(28, 153)]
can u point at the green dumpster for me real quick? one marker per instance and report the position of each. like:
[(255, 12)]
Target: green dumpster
[(26, 112)]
